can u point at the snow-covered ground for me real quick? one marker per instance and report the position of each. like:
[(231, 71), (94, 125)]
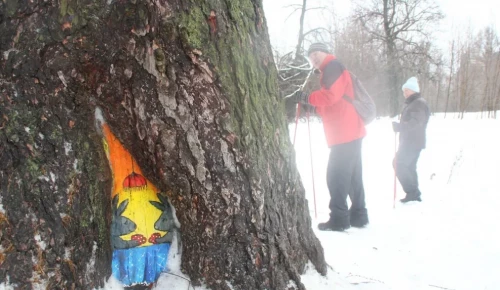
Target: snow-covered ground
[(449, 241)]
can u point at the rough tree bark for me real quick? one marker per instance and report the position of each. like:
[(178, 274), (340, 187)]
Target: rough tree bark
[(190, 89)]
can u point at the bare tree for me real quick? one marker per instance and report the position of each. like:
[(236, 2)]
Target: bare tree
[(298, 49), (398, 23), (496, 98), (470, 74), (490, 60), (440, 78), (385, 42), (450, 76), (294, 69)]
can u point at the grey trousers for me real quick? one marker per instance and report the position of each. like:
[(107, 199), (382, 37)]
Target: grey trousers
[(406, 169)]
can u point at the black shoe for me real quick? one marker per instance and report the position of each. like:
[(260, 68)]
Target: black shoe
[(359, 218), (410, 198), (331, 226)]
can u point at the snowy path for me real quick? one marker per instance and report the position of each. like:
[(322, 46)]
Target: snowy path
[(449, 241)]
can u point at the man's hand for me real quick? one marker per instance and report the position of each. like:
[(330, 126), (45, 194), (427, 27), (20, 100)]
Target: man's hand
[(396, 127)]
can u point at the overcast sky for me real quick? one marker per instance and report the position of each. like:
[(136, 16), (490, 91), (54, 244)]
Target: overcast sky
[(479, 13)]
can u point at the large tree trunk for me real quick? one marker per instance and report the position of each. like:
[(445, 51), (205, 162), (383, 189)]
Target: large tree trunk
[(191, 91)]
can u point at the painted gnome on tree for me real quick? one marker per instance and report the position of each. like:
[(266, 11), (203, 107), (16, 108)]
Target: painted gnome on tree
[(143, 224)]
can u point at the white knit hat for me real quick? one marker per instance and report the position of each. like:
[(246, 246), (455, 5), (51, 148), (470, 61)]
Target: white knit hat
[(412, 84)]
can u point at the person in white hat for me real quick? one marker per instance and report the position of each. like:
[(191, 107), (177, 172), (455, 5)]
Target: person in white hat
[(412, 139)]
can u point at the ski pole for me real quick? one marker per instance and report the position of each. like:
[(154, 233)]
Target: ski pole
[(312, 167), (395, 162), (297, 115)]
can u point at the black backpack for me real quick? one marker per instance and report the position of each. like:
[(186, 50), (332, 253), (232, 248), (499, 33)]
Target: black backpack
[(362, 102)]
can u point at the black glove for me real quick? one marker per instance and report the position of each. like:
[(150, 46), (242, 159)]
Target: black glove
[(300, 97), (396, 127)]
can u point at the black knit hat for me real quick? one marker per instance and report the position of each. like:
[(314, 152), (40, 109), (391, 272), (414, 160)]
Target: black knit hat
[(318, 47)]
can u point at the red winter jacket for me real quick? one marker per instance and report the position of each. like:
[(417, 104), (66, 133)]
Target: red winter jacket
[(341, 122)]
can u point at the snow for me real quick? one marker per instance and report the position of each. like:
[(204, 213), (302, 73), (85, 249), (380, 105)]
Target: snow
[(67, 148), (43, 178), (174, 278), (6, 57), (52, 176), (99, 119), (174, 255), (112, 284), (62, 78), (39, 242), (449, 241), (67, 253), (38, 283), (5, 285), (90, 269), (170, 280), (2, 210)]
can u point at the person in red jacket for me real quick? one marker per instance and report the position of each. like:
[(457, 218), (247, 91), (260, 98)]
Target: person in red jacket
[(344, 130)]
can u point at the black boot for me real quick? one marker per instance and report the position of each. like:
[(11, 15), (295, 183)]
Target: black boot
[(409, 198), (412, 197), (359, 218), (333, 226)]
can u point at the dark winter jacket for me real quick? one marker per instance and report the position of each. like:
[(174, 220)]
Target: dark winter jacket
[(341, 122), (413, 123)]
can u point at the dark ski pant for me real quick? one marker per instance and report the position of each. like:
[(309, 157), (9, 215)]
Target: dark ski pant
[(345, 178), (406, 169)]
